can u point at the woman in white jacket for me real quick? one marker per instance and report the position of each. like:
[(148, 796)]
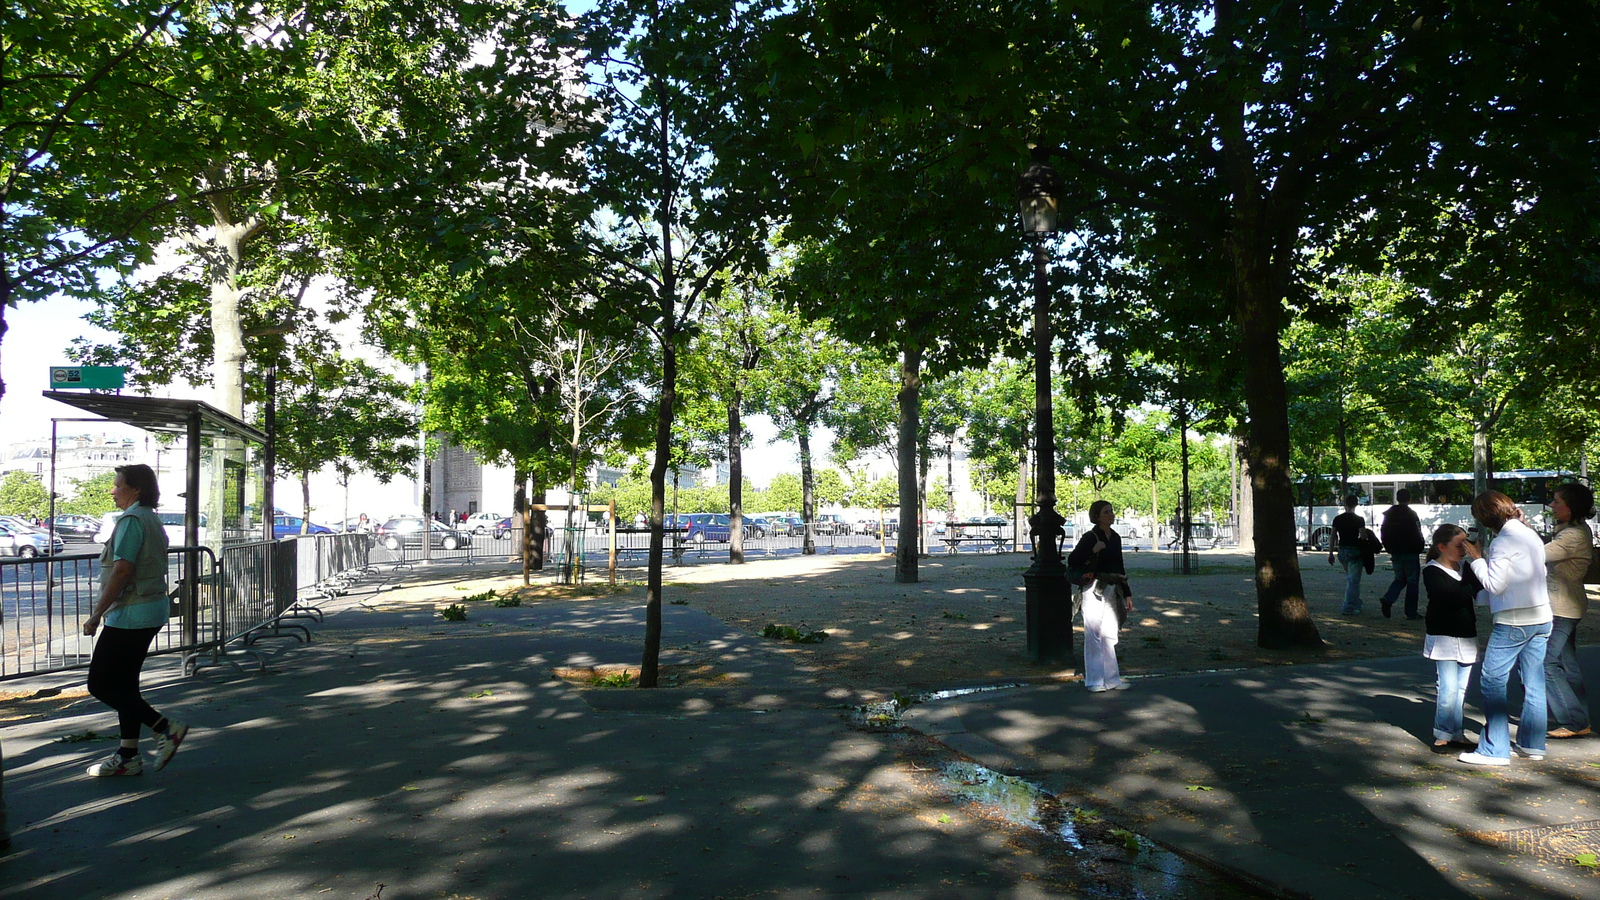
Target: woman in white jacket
[(1513, 580)]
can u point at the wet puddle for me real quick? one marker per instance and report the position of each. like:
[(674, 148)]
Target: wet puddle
[(1116, 863), (1106, 861)]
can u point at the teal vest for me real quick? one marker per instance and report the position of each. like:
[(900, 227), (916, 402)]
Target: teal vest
[(143, 603)]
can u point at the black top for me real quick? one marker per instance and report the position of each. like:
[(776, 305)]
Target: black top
[(1402, 531), (1083, 558), (1348, 525), (1450, 610)]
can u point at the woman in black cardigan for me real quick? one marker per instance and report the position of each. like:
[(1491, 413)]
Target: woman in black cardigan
[(1452, 626)]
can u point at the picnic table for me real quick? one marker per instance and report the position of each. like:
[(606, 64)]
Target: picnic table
[(958, 533)]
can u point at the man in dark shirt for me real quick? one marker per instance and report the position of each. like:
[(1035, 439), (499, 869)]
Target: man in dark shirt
[(1402, 537), (1347, 549)]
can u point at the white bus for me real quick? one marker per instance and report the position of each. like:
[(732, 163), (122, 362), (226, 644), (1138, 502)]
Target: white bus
[(1435, 498)]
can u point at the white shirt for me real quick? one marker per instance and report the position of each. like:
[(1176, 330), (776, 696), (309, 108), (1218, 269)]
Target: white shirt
[(1512, 576)]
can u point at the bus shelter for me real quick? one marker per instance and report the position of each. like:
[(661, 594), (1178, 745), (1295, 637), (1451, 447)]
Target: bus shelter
[(226, 489), (225, 476)]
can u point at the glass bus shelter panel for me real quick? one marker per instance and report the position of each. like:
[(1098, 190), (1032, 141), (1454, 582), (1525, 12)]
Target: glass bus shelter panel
[(232, 481)]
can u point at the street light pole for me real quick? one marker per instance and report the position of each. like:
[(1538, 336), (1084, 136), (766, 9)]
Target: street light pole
[(1049, 600)]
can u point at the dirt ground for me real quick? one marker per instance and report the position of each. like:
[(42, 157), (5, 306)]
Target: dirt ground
[(963, 621)]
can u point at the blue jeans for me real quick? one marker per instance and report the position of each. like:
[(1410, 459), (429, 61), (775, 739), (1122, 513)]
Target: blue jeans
[(1350, 559), (1452, 697), (1569, 704), (1407, 574), (1521, 646)]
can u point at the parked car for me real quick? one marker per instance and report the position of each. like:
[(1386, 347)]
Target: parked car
[(289, 526), (891, 526), (502, 528), (699, 527), (831, 523), (482, 523), (76, 528), (407, 531), (26, 541), (172, 524)]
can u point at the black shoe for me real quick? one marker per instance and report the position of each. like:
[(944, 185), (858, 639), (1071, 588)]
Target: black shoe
[(1388, 609)]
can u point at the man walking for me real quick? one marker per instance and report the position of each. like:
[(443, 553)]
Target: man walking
[(1402, 537), (1346, 548)]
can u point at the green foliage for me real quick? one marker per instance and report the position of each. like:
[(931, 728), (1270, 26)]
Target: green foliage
[(793, 634), (481, 597), (507, 602), (614, 680), (782, 495), (90, 496), (22, 494), (455, 612)]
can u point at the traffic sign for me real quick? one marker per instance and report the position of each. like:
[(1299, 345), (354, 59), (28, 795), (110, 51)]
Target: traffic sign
[(66, 378)]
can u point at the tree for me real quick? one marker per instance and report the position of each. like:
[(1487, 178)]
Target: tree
[(723, 358), (672, 232), (345, 414), (90, 496), (90, 92), (805, 367), (1226, 137), (22, 494)]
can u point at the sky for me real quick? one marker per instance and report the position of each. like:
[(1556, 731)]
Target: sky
[(40, 335)]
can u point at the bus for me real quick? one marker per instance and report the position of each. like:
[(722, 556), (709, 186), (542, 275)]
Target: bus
[(1436, 498)]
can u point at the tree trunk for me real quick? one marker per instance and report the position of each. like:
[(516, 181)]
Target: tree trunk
[(4, 302), (519, 517), (538, 525), (1023, 477), (650, 666), (735, 480), (1155, 522), (1482, 458), (808, 497), (1245, 514), (905, 567), (1285, 621), (305, 501)]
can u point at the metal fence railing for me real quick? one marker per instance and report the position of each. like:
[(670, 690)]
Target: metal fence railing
[(634, 543), (222, 602), (45, 600)]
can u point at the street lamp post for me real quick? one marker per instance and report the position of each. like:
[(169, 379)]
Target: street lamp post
[(1049, 599)]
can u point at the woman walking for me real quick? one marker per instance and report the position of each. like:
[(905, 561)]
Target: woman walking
[(1096, 566), (133, 608), (1567, 558), (1513, 582), (1452, 627)]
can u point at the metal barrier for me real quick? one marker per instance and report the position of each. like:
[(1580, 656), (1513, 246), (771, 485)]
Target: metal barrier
[(44, 602)]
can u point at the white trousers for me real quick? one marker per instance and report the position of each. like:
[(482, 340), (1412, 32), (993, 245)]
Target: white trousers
[(1100, 635)]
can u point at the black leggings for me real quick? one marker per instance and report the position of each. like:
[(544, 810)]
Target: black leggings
[(114, 676)]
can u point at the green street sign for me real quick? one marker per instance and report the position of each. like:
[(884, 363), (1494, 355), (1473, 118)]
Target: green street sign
[(66, 378)]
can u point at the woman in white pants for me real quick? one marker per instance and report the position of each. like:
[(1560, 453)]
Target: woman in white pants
[(1096, 568)]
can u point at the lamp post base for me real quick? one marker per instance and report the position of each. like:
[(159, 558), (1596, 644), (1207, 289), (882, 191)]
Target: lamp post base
[(1049, 611)]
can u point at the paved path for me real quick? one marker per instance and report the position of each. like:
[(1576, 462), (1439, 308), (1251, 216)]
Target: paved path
[(399, 756), (1317, 780)]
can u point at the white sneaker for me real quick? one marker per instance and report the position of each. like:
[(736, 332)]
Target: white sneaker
[(1525, 753), (1474, 758), (1121, 685), (115, 765), (1099, 688), (167, 742)]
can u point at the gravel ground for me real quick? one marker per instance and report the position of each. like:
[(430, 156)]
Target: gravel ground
[(963, 622)]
